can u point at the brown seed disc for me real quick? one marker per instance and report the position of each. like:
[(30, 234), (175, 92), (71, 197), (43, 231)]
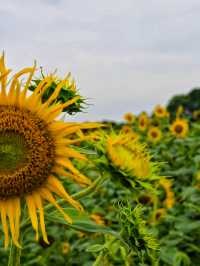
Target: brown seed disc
[(27, 151), (178, 129)]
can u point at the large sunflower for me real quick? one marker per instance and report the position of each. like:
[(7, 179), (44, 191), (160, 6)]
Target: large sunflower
[(179, 128), (34, 150)]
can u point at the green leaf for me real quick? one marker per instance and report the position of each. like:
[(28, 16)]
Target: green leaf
[(81, 222), (95, 248), (84, 150)]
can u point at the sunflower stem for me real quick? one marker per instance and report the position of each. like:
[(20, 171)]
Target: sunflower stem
[(90, 189), (14, 255)]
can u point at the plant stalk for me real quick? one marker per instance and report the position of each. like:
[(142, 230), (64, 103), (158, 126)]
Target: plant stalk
[(14, 255)]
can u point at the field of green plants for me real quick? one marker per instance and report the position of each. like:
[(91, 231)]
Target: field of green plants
[(138, 182)]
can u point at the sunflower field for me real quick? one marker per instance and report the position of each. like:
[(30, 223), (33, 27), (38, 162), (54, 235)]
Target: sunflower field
[(90, 193)]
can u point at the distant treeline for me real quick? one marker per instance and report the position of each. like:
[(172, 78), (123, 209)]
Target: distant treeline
[(190, 102)]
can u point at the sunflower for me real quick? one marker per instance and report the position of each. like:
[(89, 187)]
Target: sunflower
[(179, 128), (146, 198), (160, 111), (179, 111), (129, 156), (65, 248), (143, 121), (196, 114), (154, 134), (169, 194), (129, 117), (158, 215), (34, 150), (126, 129)]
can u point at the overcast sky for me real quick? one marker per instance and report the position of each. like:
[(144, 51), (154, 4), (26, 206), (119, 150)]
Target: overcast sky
[(126, 55)]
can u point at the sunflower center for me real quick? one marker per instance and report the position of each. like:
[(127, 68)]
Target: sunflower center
[(12, 152), (154, 134), (27, 151), (178, 128)]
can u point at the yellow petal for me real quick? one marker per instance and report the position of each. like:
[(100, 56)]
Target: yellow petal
[(38, 203), (3, 209), (70, 153), (55, 186), (68, 164), (11, 216), (46, 194), (32, 213), (17, 209)]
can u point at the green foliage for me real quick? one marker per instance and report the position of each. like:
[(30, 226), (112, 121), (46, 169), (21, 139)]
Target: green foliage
[(190, 102)]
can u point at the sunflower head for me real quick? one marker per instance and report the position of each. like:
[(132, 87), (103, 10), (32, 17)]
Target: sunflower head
[(196, 114), (146, 198), (129, 118), (198, 175), (179, 111), (179, 128), (143, 121), (128, 156), (67, 93), (154, 134), (65, 248), (126, 129), (160, 111), (166, 184), (158, 215), (35, 149)]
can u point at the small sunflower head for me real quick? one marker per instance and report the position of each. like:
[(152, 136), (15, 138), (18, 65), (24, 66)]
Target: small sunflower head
[(146, 198), (158, 215), (179, 111), (198, 175), (154, 134), (65, 248), (196, 115), (129, 118), (179, 128), (128, 156), (67, 93), (143, 121), (166, 184), (160, 111), (126, 129)]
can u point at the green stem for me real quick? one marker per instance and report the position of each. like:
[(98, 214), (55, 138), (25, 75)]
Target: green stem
[(14, 255), (99, 259)]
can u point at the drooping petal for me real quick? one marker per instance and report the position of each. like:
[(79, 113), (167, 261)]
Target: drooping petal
[(38, 203), (11, 216), (32, 213), (46, 194), (55, 186), (3, 211)]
